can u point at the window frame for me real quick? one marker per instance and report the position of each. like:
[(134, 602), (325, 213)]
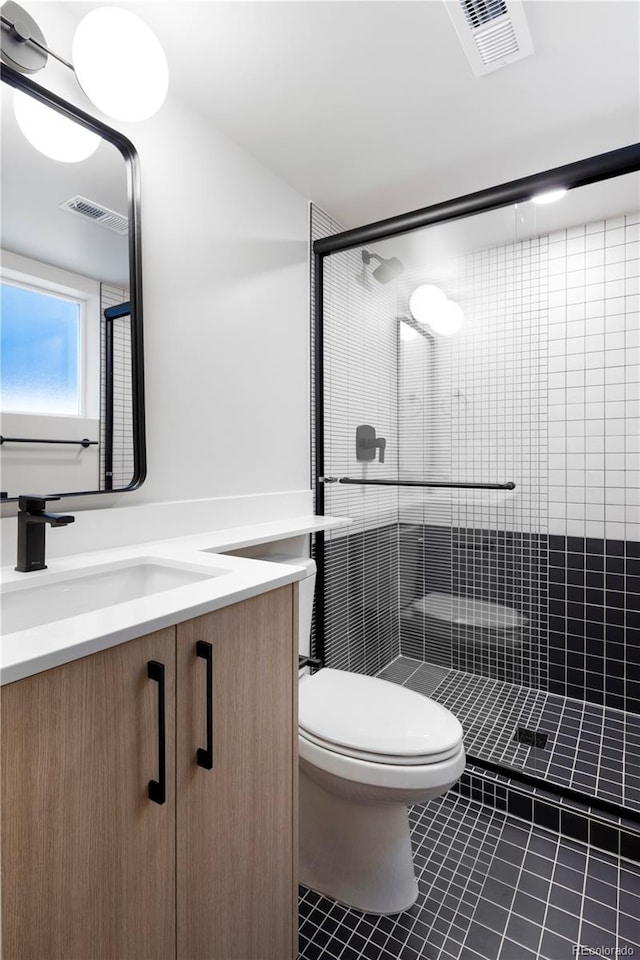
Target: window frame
[(52, 281)]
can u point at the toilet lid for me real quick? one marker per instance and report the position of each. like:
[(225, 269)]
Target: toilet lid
[(367, 716)]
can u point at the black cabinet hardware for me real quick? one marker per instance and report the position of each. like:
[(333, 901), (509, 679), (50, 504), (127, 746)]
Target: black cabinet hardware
[(158, 788), (312, 662), (204, 756)]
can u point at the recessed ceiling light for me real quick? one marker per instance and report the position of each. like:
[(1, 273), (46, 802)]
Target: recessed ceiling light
[(550, 196)]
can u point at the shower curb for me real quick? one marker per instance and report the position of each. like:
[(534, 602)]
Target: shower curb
[(564, 815)]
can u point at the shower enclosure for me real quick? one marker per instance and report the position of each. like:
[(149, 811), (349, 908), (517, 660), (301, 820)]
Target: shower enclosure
[(483, 436)]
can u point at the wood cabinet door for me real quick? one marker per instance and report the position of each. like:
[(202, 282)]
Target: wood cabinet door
[(236, 822), (88, 860)]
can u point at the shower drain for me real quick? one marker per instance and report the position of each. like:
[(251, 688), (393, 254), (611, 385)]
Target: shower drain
[(532, 738)]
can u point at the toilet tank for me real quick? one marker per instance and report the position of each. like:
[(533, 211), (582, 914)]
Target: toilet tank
[(306, 592)]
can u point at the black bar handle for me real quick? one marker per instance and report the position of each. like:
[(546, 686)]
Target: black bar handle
[(158, 788), (509, 485), (85, 442), (204, 756)]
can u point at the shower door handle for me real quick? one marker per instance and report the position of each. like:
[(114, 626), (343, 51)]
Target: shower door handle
[(367, 443)]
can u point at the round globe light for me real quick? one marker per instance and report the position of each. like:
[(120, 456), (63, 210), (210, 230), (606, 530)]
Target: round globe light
[(447, 319), (52, 134), (429, 305), (120, 64), (425, 301)]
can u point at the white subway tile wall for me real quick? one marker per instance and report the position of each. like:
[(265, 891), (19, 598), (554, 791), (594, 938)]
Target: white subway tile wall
[(594, 380)]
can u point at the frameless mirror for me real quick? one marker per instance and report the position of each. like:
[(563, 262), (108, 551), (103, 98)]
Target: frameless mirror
[(72, 398)]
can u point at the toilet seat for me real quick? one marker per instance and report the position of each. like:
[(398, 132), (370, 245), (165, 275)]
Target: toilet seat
[(380, 757), (375, 721), (403, 778)]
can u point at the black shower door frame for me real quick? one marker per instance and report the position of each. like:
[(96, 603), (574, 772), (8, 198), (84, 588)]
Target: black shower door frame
[(604, 166)]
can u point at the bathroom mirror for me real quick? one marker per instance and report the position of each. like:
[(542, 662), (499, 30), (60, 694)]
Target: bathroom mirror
[(72, 398)]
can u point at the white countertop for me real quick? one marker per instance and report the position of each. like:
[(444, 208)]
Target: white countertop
[(233, 579)]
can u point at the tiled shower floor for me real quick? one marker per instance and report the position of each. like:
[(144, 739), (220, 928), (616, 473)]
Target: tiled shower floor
[(491, 887), (590, 748)]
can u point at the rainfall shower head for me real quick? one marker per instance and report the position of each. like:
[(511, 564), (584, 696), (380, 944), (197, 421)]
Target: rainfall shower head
[(387, 269)]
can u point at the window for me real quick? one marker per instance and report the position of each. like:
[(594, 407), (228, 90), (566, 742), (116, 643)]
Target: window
[(40, 351)]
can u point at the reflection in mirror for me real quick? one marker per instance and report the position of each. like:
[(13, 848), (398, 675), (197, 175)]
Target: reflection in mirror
[(70, 404)]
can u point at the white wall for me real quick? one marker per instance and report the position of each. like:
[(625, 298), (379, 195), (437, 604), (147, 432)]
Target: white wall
[(226, 318), (224, 256)]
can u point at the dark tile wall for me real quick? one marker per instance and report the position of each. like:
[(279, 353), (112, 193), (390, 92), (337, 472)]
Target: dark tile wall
[(361, 600), (594, 620), (580, 596), (426, 565), (497, 566)]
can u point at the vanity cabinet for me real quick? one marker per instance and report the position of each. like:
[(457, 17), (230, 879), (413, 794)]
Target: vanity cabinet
[(92, 868)]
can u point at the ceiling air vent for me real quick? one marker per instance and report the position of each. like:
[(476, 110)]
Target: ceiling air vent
[(82, 207), (493, 33)]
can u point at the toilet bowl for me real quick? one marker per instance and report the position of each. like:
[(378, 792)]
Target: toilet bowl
[(367, 749)]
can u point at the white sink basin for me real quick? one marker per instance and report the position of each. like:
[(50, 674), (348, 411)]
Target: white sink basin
[(31, 604)]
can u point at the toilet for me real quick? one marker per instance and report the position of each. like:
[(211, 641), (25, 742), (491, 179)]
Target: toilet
[(367, 749)]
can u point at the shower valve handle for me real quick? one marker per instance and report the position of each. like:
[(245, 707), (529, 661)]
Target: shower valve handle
[(367, 443)]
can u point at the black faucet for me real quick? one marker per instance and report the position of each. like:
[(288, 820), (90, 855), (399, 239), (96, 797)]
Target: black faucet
[(32, 521)]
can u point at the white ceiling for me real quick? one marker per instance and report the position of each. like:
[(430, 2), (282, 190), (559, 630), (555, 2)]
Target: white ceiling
[(371, 109)]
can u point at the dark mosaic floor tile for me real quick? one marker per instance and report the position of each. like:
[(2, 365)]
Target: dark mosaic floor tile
[(566, 877), (497, 892), (600, 915), (554, 947), (601, 892), (604, 870), (528, 907), (312, 951), (515, 951), (506, 872), (484, 941), (563, 899), (562, 923), (578, 732), (524, 932), (629, 928), (538, 865), (438, 928), (592, 936), (629, 903), (492, 916)]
